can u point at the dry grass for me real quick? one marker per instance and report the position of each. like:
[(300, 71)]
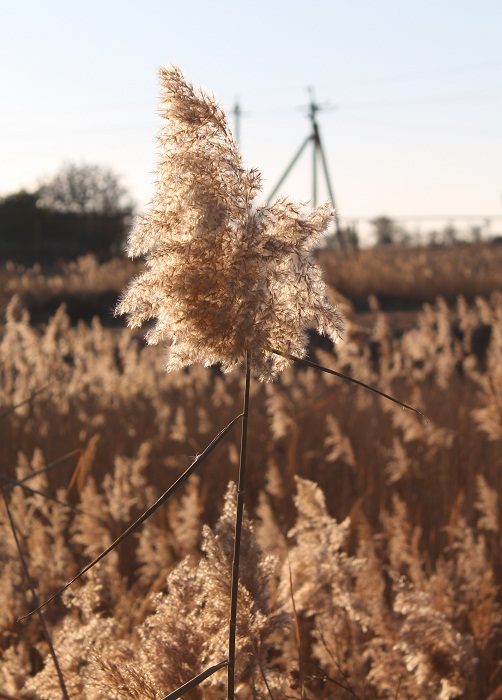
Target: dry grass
[(416, 275), (401, 277), (369, 555), (397, 601)]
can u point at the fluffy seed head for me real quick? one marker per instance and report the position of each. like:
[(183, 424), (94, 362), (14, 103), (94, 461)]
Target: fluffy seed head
[(222, 275)]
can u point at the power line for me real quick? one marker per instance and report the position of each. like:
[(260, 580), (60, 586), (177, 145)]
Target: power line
[(427, 217)]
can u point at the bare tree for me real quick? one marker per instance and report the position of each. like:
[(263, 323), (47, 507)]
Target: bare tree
[(84, 189)]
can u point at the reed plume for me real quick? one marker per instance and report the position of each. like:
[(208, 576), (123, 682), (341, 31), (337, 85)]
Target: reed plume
[(223, 275)]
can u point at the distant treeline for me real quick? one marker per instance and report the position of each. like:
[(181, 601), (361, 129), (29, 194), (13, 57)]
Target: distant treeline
[(29, 234), (81, 210)]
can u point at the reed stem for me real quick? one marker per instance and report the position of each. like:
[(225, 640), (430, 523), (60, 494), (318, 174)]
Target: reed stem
[(237, 538), (165, 496), (31, 584)]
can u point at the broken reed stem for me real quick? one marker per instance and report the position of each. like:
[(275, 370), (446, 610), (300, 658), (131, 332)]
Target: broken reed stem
[(238, 531), (35, 598)]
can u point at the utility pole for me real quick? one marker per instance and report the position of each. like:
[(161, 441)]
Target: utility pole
[(237, 112), (317, 154)]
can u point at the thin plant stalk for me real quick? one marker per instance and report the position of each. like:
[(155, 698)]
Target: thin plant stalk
[(297, 633), (347, 378), (43, 470), (15, 482), (265, 681), (194, 682), (238, 531), (33, 395), (35, 599), (136, 524)]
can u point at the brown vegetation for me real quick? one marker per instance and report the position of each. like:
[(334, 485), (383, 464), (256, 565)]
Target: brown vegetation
[(408, 276), (372, 569), (370, 552)]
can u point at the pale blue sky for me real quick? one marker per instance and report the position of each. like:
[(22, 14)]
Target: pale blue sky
[(414, 88)]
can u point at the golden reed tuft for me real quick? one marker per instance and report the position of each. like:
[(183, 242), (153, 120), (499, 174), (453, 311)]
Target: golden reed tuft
[(223, 275)]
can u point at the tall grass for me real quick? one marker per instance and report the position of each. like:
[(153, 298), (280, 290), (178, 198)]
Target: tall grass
[(412, 276), (421, 501), (366, 563)]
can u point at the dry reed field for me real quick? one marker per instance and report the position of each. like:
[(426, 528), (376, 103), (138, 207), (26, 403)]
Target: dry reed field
[(413, 276), (370, 546)]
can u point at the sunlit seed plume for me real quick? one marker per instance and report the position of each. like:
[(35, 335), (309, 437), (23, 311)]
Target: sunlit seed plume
[(223, 275)]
